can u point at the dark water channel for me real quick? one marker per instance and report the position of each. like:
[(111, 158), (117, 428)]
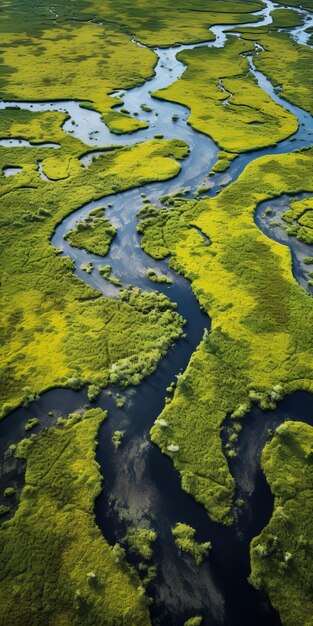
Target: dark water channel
[(140, 485)]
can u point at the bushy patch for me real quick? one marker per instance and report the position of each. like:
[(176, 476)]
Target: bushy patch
[(185, 540), (94, 234), (140, 540), (300, 219)]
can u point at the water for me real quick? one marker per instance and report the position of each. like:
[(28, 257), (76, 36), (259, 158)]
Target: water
[(273, 226), (11, 171), (140, 484), (23, 143)]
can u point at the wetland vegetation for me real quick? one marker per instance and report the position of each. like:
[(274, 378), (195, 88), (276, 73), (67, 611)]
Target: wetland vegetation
[(280, 555), (63, 328)]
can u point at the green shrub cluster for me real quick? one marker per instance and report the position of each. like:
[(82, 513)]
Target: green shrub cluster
[(106, 272), (158, 278), (94, 234), (185, 540), (140, 540), (117, 438), (300, 219), (31, 423)]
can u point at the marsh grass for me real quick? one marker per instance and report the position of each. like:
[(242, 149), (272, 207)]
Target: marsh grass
[(184, 536), (94, 234), (260, 344), (254, 118), (58, 331)]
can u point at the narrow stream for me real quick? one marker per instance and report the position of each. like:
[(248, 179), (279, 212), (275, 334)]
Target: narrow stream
[(140, 485)]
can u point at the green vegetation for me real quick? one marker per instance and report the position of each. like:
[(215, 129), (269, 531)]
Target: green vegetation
[(286, 18), (305, 4), (56, 567), (185, 540), (87, 267), (93, 234), (140, 540), (117, 438), (9, 492), (287, 64), (223, 95), (120, 123), (79, 60), (4, 509), (106, 272), (194, 621), (84, 51), (31, 423), (300, 218), (260, 344), (72, 576), (158, 278), (144, 107), (168, 25), (57, 330), (281, 556), (224, 161)]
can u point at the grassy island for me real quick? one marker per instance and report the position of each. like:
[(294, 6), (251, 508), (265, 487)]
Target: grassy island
[(47, 574), (94, 233), (281, 556)]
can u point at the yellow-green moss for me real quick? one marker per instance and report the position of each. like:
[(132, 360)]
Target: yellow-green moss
[(300, 219), (286, 18), (119, 123), (286, 64)]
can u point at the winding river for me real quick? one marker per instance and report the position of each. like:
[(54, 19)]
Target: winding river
[(140, 484)]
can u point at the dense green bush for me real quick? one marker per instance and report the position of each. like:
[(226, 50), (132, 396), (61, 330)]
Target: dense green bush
[(94, 234), (185, 540)]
